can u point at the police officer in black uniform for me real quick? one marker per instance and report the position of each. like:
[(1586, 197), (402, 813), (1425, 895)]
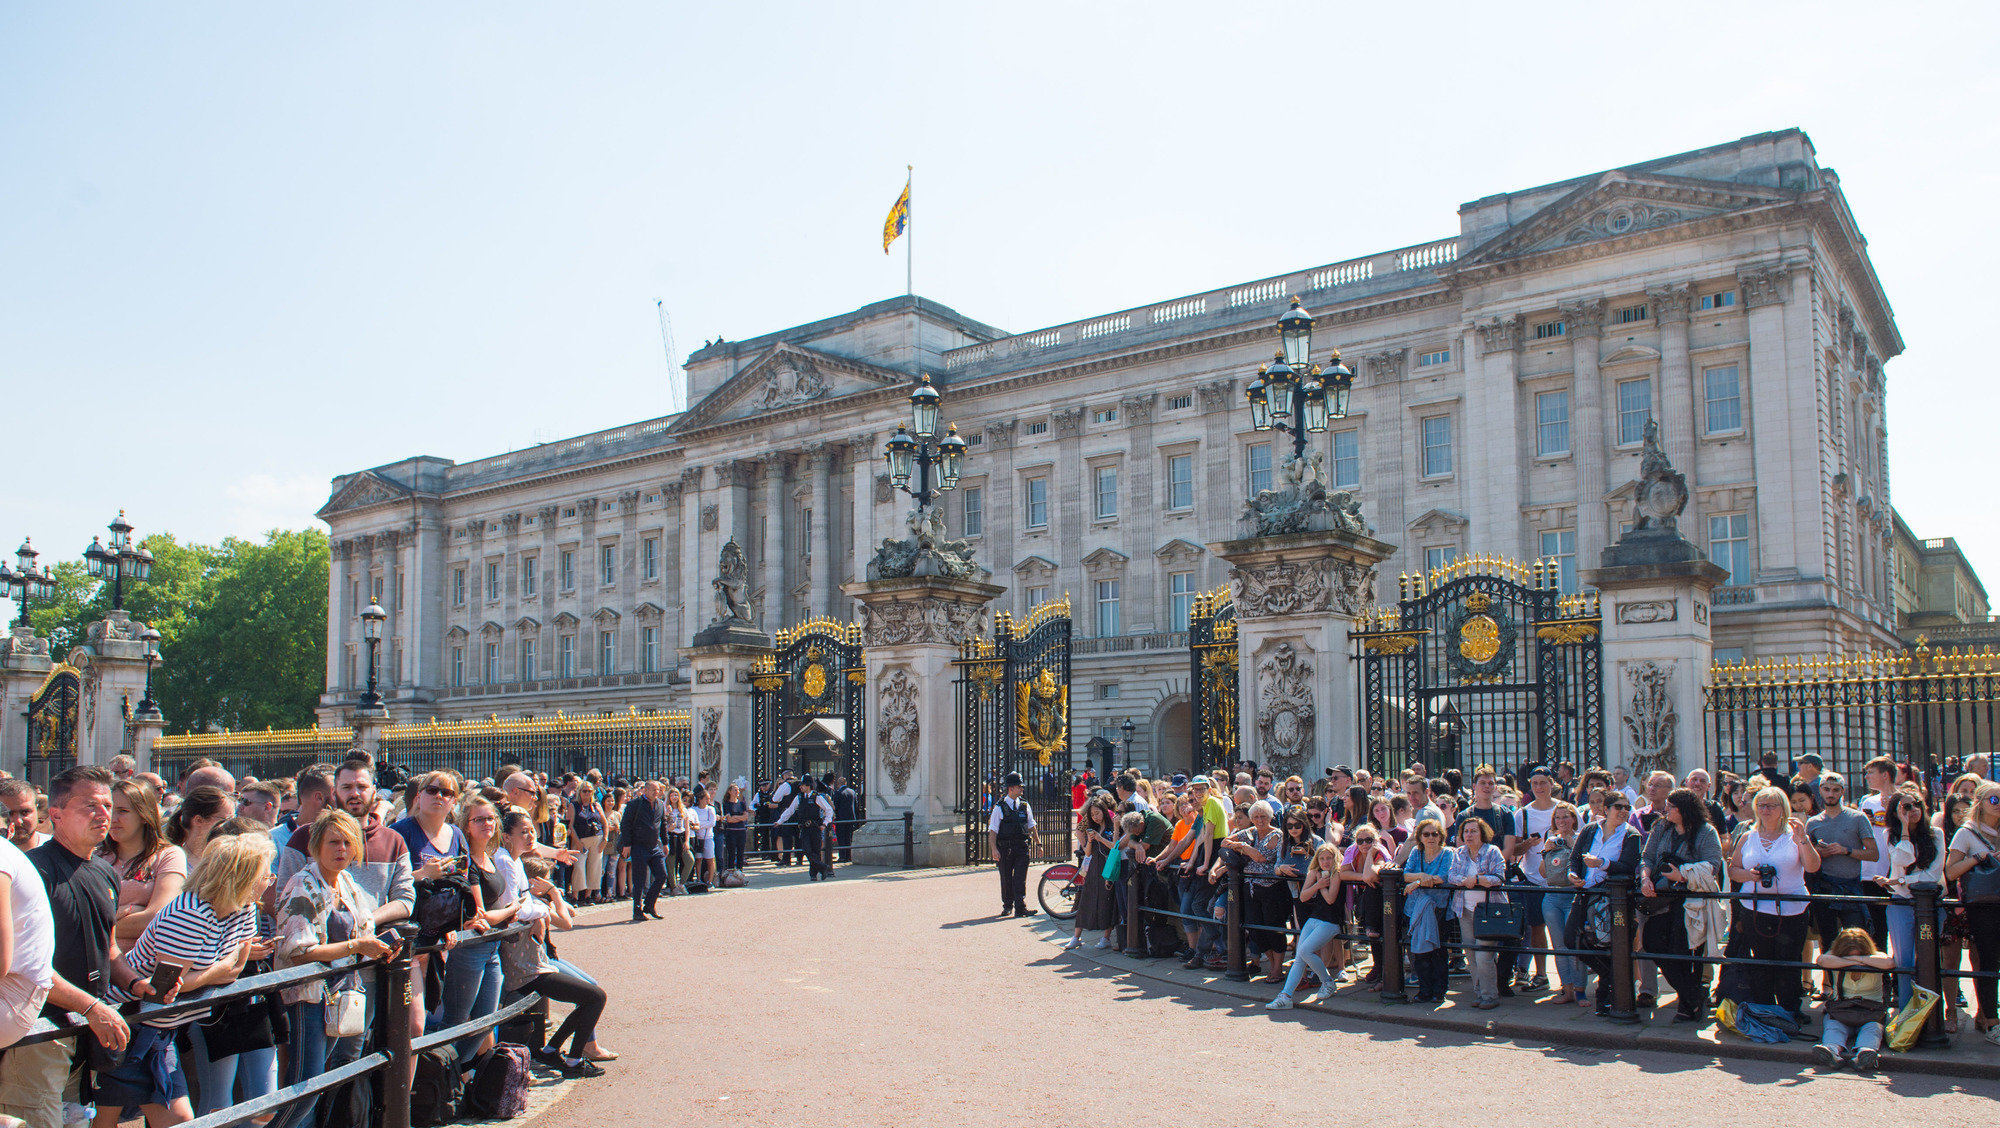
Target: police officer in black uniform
[(815, 815), (1011, 823)]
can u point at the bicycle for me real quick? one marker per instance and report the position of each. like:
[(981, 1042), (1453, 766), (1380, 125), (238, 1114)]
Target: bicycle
[(1060, 885)]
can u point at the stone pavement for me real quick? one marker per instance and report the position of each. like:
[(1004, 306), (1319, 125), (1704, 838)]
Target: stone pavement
[(1539, 1022)]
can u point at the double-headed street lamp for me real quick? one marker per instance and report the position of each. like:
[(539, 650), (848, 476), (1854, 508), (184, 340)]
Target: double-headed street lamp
[(27, 584), (1289, 394), (118, 560), (915, 455), (151, 638), (372, 617)]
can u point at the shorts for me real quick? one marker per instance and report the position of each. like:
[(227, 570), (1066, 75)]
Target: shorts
[(32, 1080), (707, 848)]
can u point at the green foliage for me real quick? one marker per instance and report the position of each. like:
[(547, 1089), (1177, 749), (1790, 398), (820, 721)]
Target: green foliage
[(242, 627)]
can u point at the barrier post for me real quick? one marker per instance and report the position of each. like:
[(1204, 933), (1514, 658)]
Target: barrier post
[(1924, 903), (395, 1033), (909, 840), (1391, 964), (1624, 1000), (1135, 910), (1233, 928)]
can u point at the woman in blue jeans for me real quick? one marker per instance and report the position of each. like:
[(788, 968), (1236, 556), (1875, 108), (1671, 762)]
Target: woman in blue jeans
[(1320, 904), (324, 916), (472, 973), (1916, 854), (1556, 902)]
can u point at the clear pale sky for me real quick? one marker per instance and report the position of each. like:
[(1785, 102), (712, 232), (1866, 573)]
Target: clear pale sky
[(246, 247)]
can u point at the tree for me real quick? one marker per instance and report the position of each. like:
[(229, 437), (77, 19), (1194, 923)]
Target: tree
[(242, 626)]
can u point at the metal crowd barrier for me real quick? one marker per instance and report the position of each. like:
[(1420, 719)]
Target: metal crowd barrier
[(1925, 903), (394, 1048)]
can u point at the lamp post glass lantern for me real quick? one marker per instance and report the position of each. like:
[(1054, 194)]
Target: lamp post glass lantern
[(372, 617), (151, 638), (1291, 394), (26, 584), (921, 463), (119, 560), (1128, 728)]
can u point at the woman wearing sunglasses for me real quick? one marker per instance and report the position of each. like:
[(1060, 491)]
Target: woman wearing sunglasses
[(1608, 848), (1772, 857), (1425, 872), (437, 849), (1975, 843)]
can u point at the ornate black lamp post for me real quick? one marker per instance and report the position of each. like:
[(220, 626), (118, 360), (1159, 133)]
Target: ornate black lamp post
[(1289, 394), (917, 456), (118, 560), (372, 617), (27, 584), (1127, 728), (151, 637)]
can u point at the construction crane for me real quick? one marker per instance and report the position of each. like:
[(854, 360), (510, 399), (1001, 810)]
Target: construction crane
[(676, 376)]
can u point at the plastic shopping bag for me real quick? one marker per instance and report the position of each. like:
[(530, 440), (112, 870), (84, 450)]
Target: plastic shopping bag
[(1909, 1022)]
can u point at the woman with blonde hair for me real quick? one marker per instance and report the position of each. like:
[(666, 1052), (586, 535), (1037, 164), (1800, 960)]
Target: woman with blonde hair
[(1773, 856), (1320, 903), (151, 870), (324, 915), (677, 824), (1974, 844), (209, 932)]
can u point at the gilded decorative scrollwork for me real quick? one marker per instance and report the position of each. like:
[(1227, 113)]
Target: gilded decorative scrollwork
[(1041, 716)]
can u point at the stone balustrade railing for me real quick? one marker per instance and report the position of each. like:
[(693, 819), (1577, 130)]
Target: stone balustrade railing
[(1268, 291)]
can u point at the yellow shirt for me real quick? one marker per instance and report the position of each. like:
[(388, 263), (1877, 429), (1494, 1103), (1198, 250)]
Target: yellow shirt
[(1215, 816)]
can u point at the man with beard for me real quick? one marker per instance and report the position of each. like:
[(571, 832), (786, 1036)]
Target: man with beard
[(24, 815)]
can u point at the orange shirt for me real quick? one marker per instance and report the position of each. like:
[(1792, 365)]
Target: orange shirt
[(1180, 828)]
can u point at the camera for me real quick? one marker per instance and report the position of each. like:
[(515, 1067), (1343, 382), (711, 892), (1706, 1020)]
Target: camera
[(1766, 874)]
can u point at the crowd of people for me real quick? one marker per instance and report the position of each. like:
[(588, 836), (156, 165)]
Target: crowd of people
[(122, 888), (1312, 861)]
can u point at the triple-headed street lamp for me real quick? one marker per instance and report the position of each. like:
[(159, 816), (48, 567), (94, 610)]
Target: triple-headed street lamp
[(915, 455), (118, 560), (372, 617), (28, 584), (1289, 394)]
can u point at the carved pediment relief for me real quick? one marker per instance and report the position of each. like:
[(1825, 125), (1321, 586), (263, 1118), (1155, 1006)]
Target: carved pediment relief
[(456, 632), (1440, 521), (1623, 203), (565, 620), (605, 616), (492, 629), (1035, 568), (786, 377), (1105, 562), (363, 490), (649, 612), (1630, 353), (527, 624), (1178, 551)]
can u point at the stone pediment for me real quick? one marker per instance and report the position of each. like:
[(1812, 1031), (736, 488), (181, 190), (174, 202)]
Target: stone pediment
[(1035, 566), (456, 632), (363, 490), (1439, 521), (1630, 353), (565, 620), (1105, 561), (606, 616), (1178, 551), (1618, 204), (649, 612), (527, 624), (492, 629), (785, 378)]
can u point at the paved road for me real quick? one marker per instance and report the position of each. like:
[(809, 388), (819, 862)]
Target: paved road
[(896, 999)]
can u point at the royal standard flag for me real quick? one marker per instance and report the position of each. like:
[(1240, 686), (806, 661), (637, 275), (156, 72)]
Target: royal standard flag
[(899, 219)]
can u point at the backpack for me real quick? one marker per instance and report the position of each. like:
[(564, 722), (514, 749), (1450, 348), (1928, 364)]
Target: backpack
[(697, 886), (438, 1088), (734, 879), (499, 1087), (352, 1104), (444, 904)]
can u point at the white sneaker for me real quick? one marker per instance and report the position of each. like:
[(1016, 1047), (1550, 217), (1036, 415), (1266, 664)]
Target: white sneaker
[(1282, 1002), (1101, 943), (1075, 942), (74, 1113)]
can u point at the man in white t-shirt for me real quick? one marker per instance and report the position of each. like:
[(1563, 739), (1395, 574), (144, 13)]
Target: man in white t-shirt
[(1621, 778), (24, 983), (1881, 773)]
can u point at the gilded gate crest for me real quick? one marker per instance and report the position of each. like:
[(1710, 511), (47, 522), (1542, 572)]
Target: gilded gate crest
[(1041, 716), (1479, 644)]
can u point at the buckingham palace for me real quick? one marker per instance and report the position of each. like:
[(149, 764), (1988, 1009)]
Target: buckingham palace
[(1504, 376)]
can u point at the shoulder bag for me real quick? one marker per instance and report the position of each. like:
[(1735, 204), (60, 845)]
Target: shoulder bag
[(1980, 885), (346, 1007)]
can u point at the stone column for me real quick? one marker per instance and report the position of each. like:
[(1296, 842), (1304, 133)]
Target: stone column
[(1498, 404), (1390, 456), (1784, 414), (1680, 420), (113, 663), (672, 551), (861, 535), (368, 725), (628, 580), (912, 629), (772, 505), (144, 729), (1148, 603), (1067, 490), (1001, 516), (1297, 596), (820, 575), (512, 609), (24, 666), (547, 562), (1589, 425), (339, 614), (694, 526)]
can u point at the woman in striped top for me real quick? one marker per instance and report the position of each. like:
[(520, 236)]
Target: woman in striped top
[(210, 931)]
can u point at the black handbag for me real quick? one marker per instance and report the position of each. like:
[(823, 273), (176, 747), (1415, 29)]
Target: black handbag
[(254, 1022), (1505, 921), (444, 904), (1980, 885)]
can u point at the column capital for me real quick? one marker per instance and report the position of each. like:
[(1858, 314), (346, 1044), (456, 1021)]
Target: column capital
[(691, 478), (1068, 421), (510, 523), (1583, 319), (1216, 396), (627, 500), (1138, 409), (548, 514), (1501, 335), (670, 493), (775, 464), (819, 457), (1385, 366), (738, 472), (1764, 285), (999, 434), (1671, 304)]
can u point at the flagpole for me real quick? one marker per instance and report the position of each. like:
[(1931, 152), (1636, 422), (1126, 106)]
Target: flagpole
[(909, 235)]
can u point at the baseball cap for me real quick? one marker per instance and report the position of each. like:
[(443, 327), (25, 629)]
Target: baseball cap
[(1180, 779)]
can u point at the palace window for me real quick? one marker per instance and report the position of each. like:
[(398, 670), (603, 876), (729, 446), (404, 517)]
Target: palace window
[(607, 651), (458, 587), (1107, 608), (649, 649), (649, 555), (492, 667), (1721, 300), (492, 580), (1435, 356), (375, 589), (1546, 329), (1036, 597), (1347, 459), (1630, 315), (1107, 492), (1260, 468), (567, 648), (1104, 415), (457, 666), (1110, 691), (1181, 402), (1435, 558), (1722, 395), (1559, 545), (1038, 503), (1039, 427), (1729, 545), (1437, 446), (1180, 600), (973, 499), (607, 563), (527, 672), (1551, 423), (1180, 481), (1635, 406), (566, 571), (530, 573)]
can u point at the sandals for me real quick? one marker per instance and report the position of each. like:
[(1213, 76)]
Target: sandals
[(601, 1055)]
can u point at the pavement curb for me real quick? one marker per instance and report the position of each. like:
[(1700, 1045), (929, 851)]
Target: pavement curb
[(1968, 1061)]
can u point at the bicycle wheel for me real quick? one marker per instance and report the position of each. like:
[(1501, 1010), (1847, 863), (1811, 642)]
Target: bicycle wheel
[(1057, 891)]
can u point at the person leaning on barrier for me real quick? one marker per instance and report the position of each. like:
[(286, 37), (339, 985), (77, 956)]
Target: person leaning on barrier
[(1680, 840), (1606, 849), (1845, 842), (1916, 856), (1773, 856), (1011, 823), (1974, 844)]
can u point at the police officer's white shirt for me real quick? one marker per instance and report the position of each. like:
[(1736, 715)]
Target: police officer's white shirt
[(825, 807), (1021, 805)]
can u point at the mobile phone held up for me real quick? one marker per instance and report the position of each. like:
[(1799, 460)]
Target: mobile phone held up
[(166, 977)]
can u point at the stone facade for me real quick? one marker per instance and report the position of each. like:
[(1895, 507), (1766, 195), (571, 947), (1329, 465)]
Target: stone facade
[(1502, 378)]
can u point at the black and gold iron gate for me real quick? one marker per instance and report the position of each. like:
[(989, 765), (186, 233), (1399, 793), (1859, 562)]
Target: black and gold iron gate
[(807, 704), (52, 725), (1484, 661), (1212, 679), (1014, 717)]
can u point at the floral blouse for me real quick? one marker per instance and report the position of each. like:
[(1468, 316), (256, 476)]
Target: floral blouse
[(1468, 865), (302, 911)]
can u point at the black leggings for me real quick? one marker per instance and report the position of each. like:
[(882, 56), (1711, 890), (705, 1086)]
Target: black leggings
[(587, 1000), (1983, 922), (1666, 937), (1780, 985)]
